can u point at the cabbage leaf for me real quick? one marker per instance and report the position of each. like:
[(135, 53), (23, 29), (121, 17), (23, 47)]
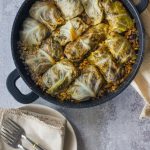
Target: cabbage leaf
[(75, 51), (33, 32), (52, 48), (59, 76), (94, 10), (46, 13), (119, 47), (117, 16), (87, 85), (70, 31), (104, 61), (39, 63), (70, 8)]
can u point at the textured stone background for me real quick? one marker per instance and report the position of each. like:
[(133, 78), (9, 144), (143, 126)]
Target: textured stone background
[(111, 126)]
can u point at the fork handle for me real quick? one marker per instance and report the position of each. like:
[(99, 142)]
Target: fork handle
[(22, 147), (35, 146)]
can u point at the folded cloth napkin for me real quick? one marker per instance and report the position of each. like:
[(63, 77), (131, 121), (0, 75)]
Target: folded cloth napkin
[(47, 131), (142, 80)]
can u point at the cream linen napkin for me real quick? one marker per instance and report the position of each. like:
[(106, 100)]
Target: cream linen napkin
[(142, 80), (48, 131)]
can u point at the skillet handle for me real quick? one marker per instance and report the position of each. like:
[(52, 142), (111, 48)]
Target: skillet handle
[(142, 5), (15, 92)]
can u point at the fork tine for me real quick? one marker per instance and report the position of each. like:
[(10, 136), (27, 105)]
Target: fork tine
[(8, 134), (6, 140), (4, 129), (7, 137), (11, 133), (7, 125), (14, 123)]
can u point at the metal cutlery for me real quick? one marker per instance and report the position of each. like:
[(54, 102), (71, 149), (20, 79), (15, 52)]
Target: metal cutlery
[(12, 133), (11, 139)]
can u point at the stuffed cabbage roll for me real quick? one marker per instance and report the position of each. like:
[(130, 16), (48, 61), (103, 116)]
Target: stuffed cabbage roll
[(117, 16), (70, 8), (59, 76), (39, 63), (33, 32), (119, 47), (104, 61), (52, 48), (75, 51), (87, 85), (94, 10), (70, 31), (46, 13), (49, 52)]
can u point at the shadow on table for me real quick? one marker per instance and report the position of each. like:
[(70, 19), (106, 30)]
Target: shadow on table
[(96, 127), (80, 141)]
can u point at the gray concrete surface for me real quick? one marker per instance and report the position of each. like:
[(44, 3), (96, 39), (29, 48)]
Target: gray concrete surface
[(114, 125)]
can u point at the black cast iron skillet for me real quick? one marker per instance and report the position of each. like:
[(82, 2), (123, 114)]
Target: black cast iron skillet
[(36, 91)]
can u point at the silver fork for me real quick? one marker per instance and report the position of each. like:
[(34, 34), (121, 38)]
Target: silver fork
[(15, 130), (10, 138)]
